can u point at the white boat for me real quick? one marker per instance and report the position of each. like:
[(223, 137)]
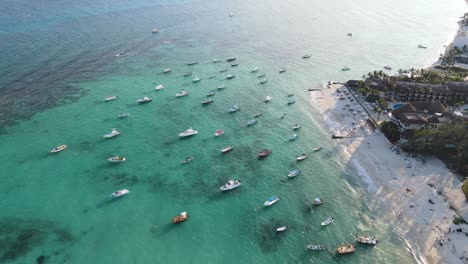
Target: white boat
[(345, 68), (370, 240), (144, 100), (221, 86), (226, 149), (58, 149), (187, 159), (230, 76), (251, 122), (317, 201), (159, 87), (268, 98), (306, 56), (293, 137), (123, 115), (218, 132), (210, 93), (316, 247), (168, 70), (112, 134), (272, 200), (317, 149), (296, 126), (231, 184), (301, 157), (223, 70), (258, 114), (422, 46), (192, 62), (254, 69), (207, 101), (294, 173), (328, 221), (233, 109), (189, 132), (120, 193), (234, 64), (216, 60), (110, 98), (291, 101), (281, 228), (263, 81), (116, 159), (154, 31), (282, 70), (196, 79), (182, 93)]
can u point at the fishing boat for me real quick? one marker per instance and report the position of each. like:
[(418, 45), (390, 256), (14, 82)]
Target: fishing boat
[(281, 228), (272, 200), (112, 134), (282, 70), (180, 218), (387, 67), (251, 122), (182, 93), (221, 86), (283, 116), (231, 184), (226, 149), (188, 74), (216, 60), (58, 149), (345, 249), (207, 101), (293, 137), (144, 100), (196, 79), (159, 87), (291, 101), (345, 68), (264, 153), (187, 159), (261, 75), (124, 115), (189, 132), (218, 132), (116, 159), (301, 157), (233, 109), (290, 95), (154, 31), (230, 76), (231, 59), (192, 62), (306, 56), (370, 240), (254, 69), (316, 247), (223, 70), (120, 193), (168, 70), (110, 98), (317, 201), (328, 221), (317, 149), (263, 81), (258, 114), (294, 173), (422, 46), (234, 64), (296, 126), (210, 93), (268, 98)]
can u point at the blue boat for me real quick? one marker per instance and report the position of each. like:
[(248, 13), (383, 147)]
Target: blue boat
[(291, 101), (293, 137), (294, 173), (272, 200), (251, 122), (233, 109)]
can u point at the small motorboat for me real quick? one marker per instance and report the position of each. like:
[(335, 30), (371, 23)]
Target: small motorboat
[(317, 201), (110, 98), (328, 221), (306, 56), (293, 137), (422, 46), (301, 157), (159, 87), (221, 86), (370, 240), (317, 149), (290, 95), (58, 149), (231, 59), (189, 132), (120, 193), (180, 218), (187, 159), (261, 75), (345, 68), (230, 76), (124, 115), (196, 79), (296, 126), (188, 74), (154, 31), (387, 67), (112, 134), (282, 70), (294, 173), (210, 93), (233, 109), (268, 98), (144, 100), (254, 69), (251, 122), (231, 184), (116, 159), (258, 114), (168, 70), (281, 228), (291, 101), (282, 117), (226, 149), (192, 62), (345, 249), (263, 81), (264, 153), (272, 200), (234, 64), (182, 93), (316, 247), (223, 70), (216, 60), (218, 132), (207, 101)]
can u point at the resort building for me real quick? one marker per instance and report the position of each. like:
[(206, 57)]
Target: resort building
[(409, 92)]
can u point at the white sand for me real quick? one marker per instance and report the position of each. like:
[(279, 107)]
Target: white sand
[(423, 224)]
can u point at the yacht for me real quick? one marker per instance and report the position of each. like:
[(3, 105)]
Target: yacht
[(272, 200), (226, 149), (345, 68), (180, 218), (210, 93), (370, 240), (345, 249), (207, 101), (187, 160), (231, 184), (264, 153), (168, 70), (317, 201), (120, 193), (110, 98), (58, 149), (268, 98), (387, 67), (182, 93), (189, 132), (218, 132), (196, 79), (159, 87), (144, 100), (230, 76), (282, 70), (316, 247), (328, 221), (251, 122), (281, 228), (233, 109), (112, 134), (254, 69), (301, 157), (294, 173), (116, 159)]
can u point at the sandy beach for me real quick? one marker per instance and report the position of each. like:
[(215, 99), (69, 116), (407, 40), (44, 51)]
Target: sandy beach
[(420, 201)]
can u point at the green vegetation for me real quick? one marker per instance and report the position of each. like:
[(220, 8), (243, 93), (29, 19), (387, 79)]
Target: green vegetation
[(458, 221), (465, 188), (391, 131)]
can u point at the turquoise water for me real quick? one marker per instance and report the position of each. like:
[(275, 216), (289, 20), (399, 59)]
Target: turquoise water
[(61, 63)]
